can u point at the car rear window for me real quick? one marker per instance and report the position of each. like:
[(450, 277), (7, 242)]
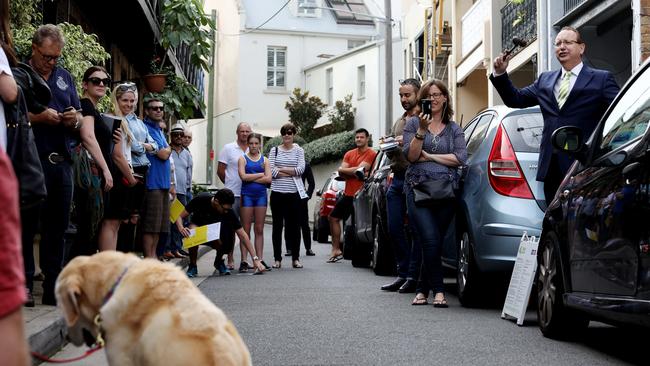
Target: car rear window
[(525, 131)]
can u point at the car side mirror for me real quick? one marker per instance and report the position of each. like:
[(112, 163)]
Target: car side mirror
[(570, 140)]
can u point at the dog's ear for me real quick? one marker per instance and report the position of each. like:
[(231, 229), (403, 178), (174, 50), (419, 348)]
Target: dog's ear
[(70, 301)]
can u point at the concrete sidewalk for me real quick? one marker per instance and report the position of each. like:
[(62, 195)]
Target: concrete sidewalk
[(45, 327)]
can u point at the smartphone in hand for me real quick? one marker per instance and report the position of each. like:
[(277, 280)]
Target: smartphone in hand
[(426, 106)]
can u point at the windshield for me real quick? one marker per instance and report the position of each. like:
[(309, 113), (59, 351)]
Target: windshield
[(629, 118)]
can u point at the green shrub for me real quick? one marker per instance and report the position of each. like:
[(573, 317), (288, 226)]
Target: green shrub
[(329, 148), (342, 116), (277, 140), (304, 112)]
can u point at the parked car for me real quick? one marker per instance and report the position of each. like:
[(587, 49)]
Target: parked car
[(594, 253), (370, 226), (327, 197), (500, 200)]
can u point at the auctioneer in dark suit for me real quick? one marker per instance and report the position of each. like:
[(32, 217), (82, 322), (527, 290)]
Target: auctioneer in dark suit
[(586, 103)]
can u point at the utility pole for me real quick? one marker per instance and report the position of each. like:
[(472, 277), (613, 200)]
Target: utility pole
[(210, 121), (389, 67)]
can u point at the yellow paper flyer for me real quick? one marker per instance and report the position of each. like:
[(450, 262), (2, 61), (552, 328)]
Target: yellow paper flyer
[(175, 210), (202, 235)]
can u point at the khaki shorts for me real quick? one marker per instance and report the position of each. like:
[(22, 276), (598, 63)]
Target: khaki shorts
[(155, 215)]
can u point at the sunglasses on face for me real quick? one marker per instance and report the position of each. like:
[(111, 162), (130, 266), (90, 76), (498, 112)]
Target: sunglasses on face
[(287, 133), (98, 81), (157, 108)]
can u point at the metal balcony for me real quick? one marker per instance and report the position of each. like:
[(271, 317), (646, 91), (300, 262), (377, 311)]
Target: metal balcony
[(518, 20), (572, 4)]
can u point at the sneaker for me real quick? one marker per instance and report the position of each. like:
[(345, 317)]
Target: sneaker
[(310, 253), (30, 303), (243, 267), (192, 271), (223, 270)]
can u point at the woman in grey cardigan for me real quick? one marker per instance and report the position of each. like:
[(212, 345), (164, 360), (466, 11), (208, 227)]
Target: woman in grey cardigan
[(435, 147)]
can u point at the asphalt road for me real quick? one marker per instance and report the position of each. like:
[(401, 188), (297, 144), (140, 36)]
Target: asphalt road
[(334, 314)]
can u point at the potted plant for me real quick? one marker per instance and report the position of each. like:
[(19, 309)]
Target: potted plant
[(155, 82)]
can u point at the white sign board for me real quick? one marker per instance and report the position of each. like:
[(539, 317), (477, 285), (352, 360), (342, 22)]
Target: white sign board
[(521, 282)]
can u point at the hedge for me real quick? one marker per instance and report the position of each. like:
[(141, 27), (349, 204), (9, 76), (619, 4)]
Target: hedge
[(329, 148)]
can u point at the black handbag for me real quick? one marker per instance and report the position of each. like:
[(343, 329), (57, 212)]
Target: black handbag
[(22, 151), (433, 191)]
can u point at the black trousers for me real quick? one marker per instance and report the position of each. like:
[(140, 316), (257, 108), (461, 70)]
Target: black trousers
[(304, 223), (552, 180), (285, 211)]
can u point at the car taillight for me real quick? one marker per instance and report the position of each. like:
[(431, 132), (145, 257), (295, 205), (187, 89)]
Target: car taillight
[(505, 174)]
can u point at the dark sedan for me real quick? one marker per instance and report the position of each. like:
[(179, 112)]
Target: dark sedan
[(594, 253), (372, 245)]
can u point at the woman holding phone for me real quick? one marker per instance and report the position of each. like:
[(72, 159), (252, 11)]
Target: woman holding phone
[(118, 204), (435, 147), (96, 138)]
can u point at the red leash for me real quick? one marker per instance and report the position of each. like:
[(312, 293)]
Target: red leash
[(66, 360)]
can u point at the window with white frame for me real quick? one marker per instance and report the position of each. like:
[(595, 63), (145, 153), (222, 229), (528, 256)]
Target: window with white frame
[(276, 67), (361, 82), (306, 8), (330, 86)]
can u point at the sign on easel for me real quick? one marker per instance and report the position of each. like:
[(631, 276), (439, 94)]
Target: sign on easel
[(521, 282)]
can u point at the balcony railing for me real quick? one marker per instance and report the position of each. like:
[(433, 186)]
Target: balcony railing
[(518, 20), (572, 4), (193, 74)]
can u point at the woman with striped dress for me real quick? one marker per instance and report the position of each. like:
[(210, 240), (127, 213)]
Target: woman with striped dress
[(287, 165)]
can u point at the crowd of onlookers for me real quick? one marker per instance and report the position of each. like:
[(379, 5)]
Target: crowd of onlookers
[(107, 178)]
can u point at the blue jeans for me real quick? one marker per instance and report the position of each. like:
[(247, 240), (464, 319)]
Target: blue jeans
[(407, 252), (430, 225)]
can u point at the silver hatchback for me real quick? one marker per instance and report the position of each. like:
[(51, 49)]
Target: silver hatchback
[(500, 198)]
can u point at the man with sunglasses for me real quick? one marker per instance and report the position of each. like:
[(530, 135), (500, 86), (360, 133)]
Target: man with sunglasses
[(576, 95), (155, 215), (54, 131), (183, 172)]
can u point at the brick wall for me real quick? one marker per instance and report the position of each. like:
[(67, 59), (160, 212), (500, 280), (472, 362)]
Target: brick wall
[(645, 29)]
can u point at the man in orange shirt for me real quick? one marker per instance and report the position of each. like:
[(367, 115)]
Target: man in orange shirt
[(356, 164)]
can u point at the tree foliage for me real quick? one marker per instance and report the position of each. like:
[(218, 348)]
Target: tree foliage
[(277, 140), (342, 116), (329, 148), (81, 50), (304, 112)]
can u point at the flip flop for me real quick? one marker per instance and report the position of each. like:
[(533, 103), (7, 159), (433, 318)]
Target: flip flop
[(335, 258), (442, 303), (419, 301)]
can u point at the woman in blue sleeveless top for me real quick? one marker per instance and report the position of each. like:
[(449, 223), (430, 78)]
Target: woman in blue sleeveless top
[(255, 173)]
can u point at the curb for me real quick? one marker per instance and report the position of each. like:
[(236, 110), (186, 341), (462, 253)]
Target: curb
[(46, 334)]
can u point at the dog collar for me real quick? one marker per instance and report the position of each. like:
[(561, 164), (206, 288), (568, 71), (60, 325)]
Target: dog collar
[(110, 292)]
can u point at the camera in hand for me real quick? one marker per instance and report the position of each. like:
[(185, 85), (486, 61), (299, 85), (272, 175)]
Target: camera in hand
[(360, 173), (388, 143), (426, 106)]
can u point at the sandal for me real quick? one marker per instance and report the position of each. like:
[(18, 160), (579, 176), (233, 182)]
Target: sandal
[(297, 264), (420, 299), (335, 258), (440, 302), (277, 264)]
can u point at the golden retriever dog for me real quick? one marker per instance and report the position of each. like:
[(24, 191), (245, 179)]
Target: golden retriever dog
[(152, 314)]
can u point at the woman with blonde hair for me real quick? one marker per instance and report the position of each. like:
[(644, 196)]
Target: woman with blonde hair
[(119, 201)]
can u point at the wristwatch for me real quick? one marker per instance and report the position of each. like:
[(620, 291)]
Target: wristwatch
[(77, 124)]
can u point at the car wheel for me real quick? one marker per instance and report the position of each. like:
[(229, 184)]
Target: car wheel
[(468, 276), (383, 259), (355, 250), (555, 320)]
